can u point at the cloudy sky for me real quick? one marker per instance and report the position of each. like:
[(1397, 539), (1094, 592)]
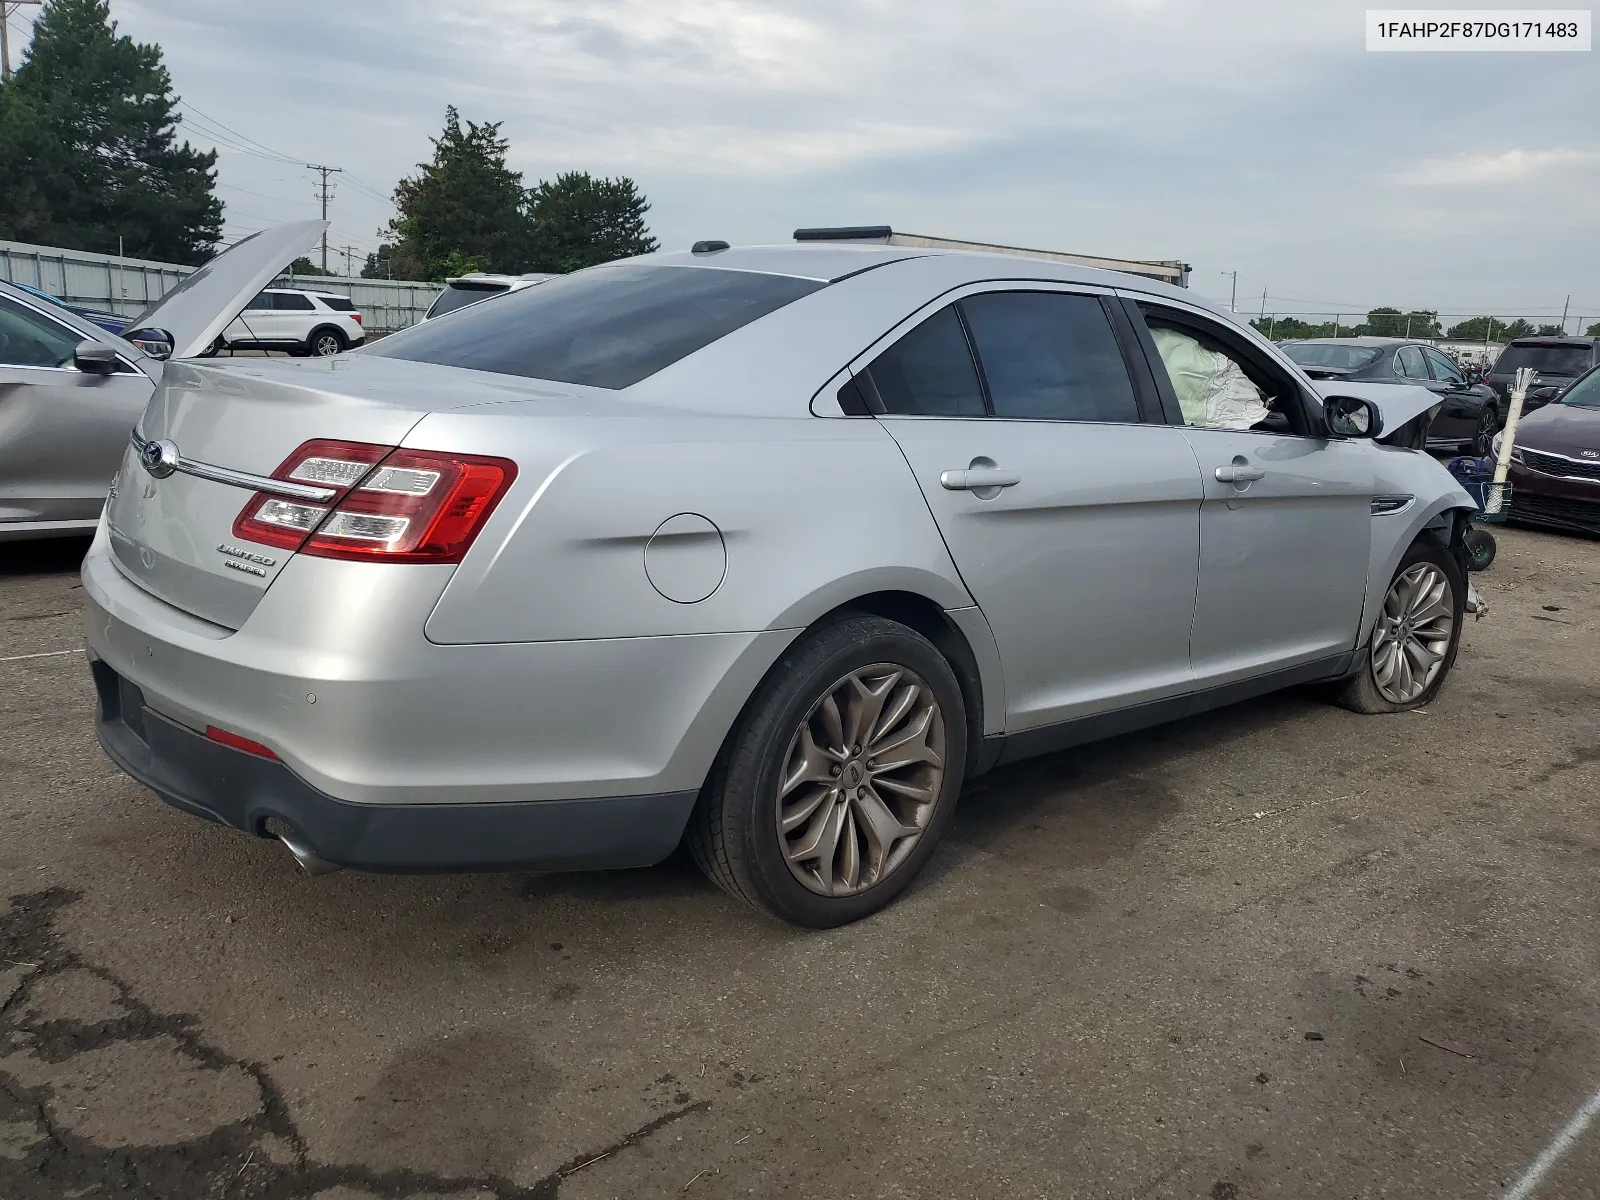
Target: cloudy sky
[(1242, 135)]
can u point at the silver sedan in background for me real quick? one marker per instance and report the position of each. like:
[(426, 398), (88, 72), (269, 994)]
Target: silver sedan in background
[(766, 549), (70, 390)]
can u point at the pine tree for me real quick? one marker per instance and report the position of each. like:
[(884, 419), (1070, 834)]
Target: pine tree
[(89, 149), (464, 206), (579, 221)]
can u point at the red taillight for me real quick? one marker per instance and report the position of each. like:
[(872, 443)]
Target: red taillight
[(233, 740), (390, 505), (356, 317)]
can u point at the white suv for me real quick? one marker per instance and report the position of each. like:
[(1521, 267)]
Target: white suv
[(314, 323), (480, 285)]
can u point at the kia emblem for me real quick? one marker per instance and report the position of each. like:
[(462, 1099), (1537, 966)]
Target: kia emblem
[(1589, 453)]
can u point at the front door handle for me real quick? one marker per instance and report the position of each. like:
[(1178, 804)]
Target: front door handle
[(977, 479), (1239, 472)]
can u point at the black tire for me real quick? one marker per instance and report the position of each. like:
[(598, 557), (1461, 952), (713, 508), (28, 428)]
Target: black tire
[(1360, 693), (1480, 549), (733, 833), (216, 347), (1483, 436), (325, 342)]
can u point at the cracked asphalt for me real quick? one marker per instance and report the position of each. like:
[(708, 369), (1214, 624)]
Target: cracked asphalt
[(1275, 951)]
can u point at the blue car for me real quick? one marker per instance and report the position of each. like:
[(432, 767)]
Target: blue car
[(110, 322)]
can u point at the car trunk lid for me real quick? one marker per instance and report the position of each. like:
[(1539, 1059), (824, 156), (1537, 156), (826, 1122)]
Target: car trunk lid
[(173, 533)]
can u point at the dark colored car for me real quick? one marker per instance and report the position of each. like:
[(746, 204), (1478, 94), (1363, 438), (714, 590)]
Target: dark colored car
[(1556, 362), (1555, 463), (1469, 413), (110, 322)]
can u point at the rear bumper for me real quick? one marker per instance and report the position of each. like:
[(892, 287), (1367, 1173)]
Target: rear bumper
[(332, 672), (249, 793)]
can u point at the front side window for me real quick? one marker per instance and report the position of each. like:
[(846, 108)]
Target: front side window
[(1048, 356), (929, 371), (1408, 361), (606, 327), (261, 302), (1216, 386), (30, 340), (1444, 369)]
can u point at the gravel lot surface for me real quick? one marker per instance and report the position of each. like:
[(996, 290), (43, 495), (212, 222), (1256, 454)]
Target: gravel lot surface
[(1276, 951)]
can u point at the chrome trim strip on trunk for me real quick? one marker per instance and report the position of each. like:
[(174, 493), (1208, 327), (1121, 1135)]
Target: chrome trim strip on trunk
[(150, 452)]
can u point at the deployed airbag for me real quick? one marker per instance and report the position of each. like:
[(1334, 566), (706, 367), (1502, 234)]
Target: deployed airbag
[(1212, 391)]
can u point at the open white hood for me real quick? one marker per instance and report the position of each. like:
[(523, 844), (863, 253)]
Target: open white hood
[(201, 306)]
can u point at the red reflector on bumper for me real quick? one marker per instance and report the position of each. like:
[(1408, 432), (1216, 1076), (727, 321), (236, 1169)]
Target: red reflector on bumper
[(223, 737)]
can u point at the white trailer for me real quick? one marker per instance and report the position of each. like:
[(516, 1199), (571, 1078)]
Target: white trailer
[(1166, 270)]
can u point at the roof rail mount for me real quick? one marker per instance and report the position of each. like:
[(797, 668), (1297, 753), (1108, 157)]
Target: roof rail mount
[(708, 247), (845, 233)]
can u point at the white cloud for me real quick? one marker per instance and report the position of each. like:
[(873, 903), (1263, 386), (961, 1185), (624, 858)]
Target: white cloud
[(1516, 165)]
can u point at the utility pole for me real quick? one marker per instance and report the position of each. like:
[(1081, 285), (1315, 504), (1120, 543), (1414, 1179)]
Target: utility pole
[(7, 7), (349, 253), (1564, 308), (325, 193), (1233, 303)]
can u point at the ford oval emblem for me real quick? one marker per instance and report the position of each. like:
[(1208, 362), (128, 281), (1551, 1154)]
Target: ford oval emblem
[(159, 457)]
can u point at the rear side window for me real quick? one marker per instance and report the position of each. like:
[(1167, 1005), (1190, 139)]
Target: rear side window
[(605, 327), (292, 302), (1050, 357), (339, 303), (1551, 360), (929, 371), (1408, 361)]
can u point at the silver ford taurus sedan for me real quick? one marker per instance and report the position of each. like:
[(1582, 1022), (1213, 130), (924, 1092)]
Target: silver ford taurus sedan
[(763, 549)]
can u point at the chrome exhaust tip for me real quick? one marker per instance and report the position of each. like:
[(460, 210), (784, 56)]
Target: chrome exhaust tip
[(309, 862)]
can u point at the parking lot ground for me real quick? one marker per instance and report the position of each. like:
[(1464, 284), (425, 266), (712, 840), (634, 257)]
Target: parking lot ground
[(1275, 951)]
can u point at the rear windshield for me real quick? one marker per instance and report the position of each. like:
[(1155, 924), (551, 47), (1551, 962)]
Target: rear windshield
[(459, 295), (339, 303), (1547, 360), (1339, 358), (605, 327)]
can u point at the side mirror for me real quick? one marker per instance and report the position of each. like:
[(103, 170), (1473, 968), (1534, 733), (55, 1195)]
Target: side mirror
[(94, 358), (157, 343), (1349, 417)]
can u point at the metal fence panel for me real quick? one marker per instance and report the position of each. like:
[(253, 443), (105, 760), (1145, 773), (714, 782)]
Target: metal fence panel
[(127, 286)]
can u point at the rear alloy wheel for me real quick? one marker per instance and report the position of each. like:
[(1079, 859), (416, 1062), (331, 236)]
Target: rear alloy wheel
[(840, 778), (1415, 638), (325, 343)]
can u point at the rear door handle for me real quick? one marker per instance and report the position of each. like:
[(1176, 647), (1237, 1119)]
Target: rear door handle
[(973, 479), (1239, 473)]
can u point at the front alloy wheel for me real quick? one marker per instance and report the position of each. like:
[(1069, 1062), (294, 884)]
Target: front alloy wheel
[(860, 780), (1413, 634)]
